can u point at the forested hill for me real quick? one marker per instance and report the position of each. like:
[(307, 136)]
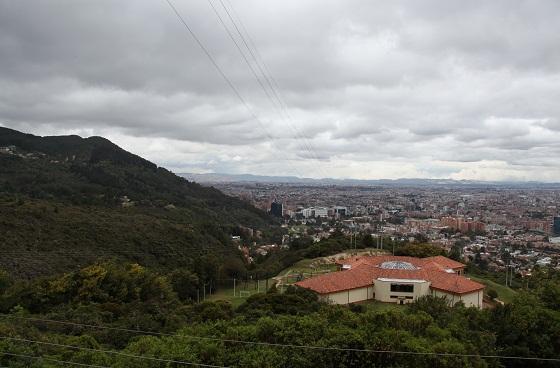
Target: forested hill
[(66, 201)]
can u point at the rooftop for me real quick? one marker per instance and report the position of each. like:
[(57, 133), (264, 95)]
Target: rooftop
[(364, 270)]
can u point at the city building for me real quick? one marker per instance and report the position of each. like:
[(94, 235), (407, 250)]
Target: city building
[(556, 225), (340, 211), (462, 225), (315, 212), (277, 209), (394, 279)]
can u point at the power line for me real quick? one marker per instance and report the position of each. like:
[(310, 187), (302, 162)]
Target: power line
[(277, 104), (240, 50), (51, 360), (110, 352), (258, 59), (293, 346), (222, 73), (249, 48)]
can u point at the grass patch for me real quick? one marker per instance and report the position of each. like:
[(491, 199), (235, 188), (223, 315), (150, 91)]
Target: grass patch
[(242, 292), (505, 294)]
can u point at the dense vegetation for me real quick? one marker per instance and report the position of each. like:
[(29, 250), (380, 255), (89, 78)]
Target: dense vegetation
[(128, 298), (68, 201)]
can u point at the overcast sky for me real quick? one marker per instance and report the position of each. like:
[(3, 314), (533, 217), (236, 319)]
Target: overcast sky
[(372, 89)]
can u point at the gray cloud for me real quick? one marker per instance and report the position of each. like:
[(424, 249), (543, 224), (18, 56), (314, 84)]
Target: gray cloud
[(380, 89)]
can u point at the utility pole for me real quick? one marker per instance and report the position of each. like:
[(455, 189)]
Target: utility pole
[(507, 274), (511, 276)]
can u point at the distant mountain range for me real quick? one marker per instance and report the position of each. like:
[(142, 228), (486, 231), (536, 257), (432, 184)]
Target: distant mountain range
[(215, 178)]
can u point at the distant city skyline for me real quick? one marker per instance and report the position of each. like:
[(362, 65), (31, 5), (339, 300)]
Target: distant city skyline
[(348, 89)]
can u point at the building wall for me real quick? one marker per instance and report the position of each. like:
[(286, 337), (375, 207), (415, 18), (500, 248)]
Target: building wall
[(556, 225), (349, 296), (470, 300), (277, 209), (383, 291)]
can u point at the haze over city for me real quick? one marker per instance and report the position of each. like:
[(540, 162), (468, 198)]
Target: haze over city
[(431, 89)]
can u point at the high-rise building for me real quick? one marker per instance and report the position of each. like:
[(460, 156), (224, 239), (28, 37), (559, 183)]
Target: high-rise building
[(277, 209), (556, 225), (340, 211)]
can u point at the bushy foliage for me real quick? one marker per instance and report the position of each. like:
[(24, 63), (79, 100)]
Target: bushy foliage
[(130, 297), (294, 301), (61, 206)]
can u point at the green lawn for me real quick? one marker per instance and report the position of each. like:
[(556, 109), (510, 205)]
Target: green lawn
[(306, 265), (505, 294), (227, 295), (242, 292)]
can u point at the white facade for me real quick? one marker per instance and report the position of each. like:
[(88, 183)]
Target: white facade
[(473, 299), (321, 212), (349, 296), (381, 291), (386, 291), (314, 212)]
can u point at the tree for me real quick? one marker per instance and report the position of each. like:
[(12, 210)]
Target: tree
[(301, 243), (492, 294), (421, 250), (185, 284), (368, 241), (456, 253), (232, 268)]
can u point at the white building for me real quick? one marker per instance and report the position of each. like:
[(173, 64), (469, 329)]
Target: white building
[(314, 212), (393, 279)]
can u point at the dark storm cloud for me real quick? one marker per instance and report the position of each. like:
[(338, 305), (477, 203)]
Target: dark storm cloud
[(379, 89)]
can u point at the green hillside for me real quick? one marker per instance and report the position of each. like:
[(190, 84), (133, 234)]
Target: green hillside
[(68, 201)]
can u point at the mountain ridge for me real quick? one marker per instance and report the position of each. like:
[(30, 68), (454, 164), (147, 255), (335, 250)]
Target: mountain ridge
[(67, 201), (210, 178)]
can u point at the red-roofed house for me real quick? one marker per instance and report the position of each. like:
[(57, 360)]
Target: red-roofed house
[(396, 279)]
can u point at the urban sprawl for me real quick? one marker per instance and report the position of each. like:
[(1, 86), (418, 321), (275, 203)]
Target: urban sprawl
[(498, 228)]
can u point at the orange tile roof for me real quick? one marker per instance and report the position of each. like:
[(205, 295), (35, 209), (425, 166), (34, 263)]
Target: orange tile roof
[(339, 281), (454, 284), (365, 270), (445, 262)]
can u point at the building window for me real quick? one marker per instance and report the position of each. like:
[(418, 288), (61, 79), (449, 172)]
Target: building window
[(402, 288)]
